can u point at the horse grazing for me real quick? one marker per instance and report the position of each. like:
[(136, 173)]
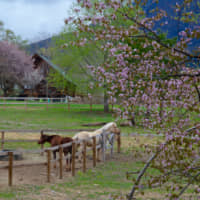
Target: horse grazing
[(87, 135), (55, 140)]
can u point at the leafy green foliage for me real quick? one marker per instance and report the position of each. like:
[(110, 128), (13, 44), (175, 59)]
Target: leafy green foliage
[(73, 61), (9, 35)]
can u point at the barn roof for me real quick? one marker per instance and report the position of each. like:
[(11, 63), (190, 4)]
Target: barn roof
[(55, 67)]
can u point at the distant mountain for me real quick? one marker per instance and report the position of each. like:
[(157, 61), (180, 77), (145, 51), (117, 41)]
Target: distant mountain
[(34, 47), (172, 23)]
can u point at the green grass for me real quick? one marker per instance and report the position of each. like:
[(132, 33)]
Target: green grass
[(56, 117), (106, 179), (16, 193), (103, 182), (7, 195), (23, 145), (37, 117), (99, 183)]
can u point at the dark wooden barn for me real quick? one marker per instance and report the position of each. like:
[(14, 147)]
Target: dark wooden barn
[(44, 88)]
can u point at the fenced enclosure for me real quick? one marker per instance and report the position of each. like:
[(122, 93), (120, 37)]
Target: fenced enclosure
[(47, 162), (47, 101)]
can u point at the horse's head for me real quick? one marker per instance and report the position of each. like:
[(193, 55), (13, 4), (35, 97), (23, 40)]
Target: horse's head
[(112, 128), (43, 138), (117, 131)]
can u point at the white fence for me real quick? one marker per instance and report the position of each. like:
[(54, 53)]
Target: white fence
[(34, 100), (49, 101)]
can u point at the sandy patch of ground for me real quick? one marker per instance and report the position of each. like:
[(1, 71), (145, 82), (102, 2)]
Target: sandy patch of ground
[(35, 175), (24, 136)]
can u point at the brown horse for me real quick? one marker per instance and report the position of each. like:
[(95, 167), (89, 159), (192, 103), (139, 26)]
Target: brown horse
[(55, 140)]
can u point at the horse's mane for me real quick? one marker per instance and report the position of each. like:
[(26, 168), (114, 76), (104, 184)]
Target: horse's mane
[(50, 137), (66, 140)]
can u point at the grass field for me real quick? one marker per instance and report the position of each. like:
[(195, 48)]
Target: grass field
[(107, 181), (37, 117), (56, 117)]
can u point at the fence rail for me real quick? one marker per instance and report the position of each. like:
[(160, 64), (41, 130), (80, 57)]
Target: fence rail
[(44, 130), (48, 151), (3, 133), (33, 100), (48, 101)]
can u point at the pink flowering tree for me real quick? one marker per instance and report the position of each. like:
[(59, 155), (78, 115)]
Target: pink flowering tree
[(16, 67), (149, 76)]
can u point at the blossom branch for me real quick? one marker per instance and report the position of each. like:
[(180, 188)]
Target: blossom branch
[(198, 91), (142, 172), (184, 75), (157, 38)]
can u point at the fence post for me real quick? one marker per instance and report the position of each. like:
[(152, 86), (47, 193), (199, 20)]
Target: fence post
[(42, 145), (25, 104), (73, 158), (68, 104), (118, 143), (2, 139), (91, 104), (84, 156), (47, 102), (61, 161), (104, 147), (48, 166), (94, 151), (4, 104), (10, 168)]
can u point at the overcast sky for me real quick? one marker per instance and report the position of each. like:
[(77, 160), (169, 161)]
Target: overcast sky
[(34, 19)]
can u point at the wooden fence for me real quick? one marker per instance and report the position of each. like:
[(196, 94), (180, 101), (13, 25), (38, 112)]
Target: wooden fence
[(44, 101), (3, 132), (48, 152)]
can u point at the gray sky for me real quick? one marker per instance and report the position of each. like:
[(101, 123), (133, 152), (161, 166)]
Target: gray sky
[(34, 19)]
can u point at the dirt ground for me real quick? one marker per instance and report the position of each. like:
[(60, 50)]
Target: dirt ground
[(36, 175)]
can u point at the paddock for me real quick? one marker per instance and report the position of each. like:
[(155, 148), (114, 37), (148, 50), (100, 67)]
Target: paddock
[(36, 168)]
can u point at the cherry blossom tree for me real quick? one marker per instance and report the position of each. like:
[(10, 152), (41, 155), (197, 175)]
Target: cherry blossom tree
[(151, 75), (16, 67)]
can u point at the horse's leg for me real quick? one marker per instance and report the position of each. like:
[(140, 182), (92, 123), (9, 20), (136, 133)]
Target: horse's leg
[(98, 155), (80, 156), (80, 151), (54, 157), (65, 154), (68, 162)]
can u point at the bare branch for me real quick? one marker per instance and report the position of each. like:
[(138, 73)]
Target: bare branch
[(184, 75), (142, 172), (185, 188), (198, 91), (157, 38)]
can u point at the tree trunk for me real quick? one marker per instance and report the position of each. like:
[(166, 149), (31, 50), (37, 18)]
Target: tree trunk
[(106, 104), (5, 92), (133, 119)]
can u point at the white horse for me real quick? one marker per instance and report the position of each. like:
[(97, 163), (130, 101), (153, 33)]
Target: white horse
[(88, 135)]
